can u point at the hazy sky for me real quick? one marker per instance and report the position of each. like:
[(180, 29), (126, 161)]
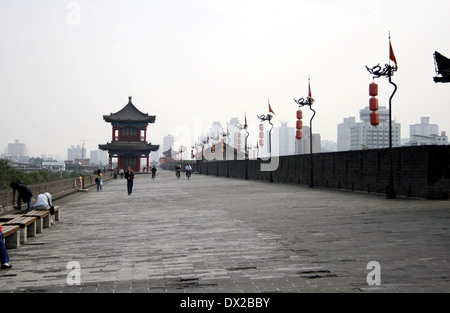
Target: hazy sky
[(65, 64)]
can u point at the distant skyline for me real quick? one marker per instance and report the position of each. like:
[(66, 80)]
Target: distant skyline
[(65, 64)]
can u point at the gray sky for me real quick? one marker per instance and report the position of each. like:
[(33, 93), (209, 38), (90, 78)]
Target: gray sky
[(65, 64)]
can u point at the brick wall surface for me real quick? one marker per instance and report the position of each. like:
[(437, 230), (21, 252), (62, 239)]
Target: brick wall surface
[(422, 171), (56, 189)]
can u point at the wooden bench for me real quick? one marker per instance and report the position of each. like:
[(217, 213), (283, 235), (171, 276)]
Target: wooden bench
[(11, 233), (42, 219), (27, 226), (8, 217)]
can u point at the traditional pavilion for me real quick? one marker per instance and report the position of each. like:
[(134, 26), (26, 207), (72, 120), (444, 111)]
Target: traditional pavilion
[(129, 137)]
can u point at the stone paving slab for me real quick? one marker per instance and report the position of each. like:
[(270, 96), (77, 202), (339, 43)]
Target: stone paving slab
[(221, 235)]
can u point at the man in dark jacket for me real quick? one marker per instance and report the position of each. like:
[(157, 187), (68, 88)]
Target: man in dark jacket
[(129, 176), (25, 194)]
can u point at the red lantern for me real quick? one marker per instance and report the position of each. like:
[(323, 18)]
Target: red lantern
[(298, 134), (373, 89), (213, 148), (239, 141), (261, 135), (299, 124), (374, 119), (299, 114), (261, 142), (261, 127), (373, 104)]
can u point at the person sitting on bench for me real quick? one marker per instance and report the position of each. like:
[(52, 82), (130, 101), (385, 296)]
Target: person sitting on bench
[(3, 254)]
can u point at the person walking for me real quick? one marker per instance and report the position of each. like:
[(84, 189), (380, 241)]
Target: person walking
[(129, 176), (25, 194), (99, 181), (153, 172)]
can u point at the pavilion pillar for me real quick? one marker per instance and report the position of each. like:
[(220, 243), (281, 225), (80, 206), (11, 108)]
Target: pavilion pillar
[(148, 163)]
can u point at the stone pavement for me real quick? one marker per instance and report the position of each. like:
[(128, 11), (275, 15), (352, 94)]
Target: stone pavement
[(218, 235)]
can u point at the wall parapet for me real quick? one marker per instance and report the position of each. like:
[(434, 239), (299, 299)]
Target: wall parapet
[(419, 171)]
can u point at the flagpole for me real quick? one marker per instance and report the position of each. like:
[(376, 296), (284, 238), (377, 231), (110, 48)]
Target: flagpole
[(391, 191), (388, 72)]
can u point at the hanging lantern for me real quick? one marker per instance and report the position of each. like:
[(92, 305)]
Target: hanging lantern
[(239, 141), (373, 104), (298, 134), (213, 148), (261, 135), (299, 114), (261, 127), (374, 118), (261, 142), (373, 89), (299, 124)]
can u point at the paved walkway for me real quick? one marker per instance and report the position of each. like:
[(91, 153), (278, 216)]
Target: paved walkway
[(213, 234)]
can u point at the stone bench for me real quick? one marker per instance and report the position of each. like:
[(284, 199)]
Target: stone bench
[(11, 233), (57, 213), (42, 219), (27, 226)]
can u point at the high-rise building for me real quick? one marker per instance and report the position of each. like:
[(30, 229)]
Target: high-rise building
[(17, 149), (168, 142), (426, 134), (344, 134), (76, 153), (303, 146), (99, 157), (283, 140), (362, 135)]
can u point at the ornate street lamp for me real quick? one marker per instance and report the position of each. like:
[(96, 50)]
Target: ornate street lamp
[(301, 103), (245, 127), (268, 118), (388, 72)]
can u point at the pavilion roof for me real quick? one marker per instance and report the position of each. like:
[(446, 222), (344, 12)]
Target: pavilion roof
[(129, 113)]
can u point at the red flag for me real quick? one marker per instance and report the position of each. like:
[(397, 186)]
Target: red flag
[(270, 110), (391, 55), (309, 90)]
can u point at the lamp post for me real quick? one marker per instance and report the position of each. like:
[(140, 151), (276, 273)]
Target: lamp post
[(268, 118), (309, 102), (244, 127), (226, 135), (388, 71)]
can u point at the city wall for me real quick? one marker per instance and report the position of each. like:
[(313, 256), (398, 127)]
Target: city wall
[(420, 171), (57, 189)]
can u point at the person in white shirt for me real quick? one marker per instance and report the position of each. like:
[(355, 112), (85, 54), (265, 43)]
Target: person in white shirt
[(43, 202), (188, 169)]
